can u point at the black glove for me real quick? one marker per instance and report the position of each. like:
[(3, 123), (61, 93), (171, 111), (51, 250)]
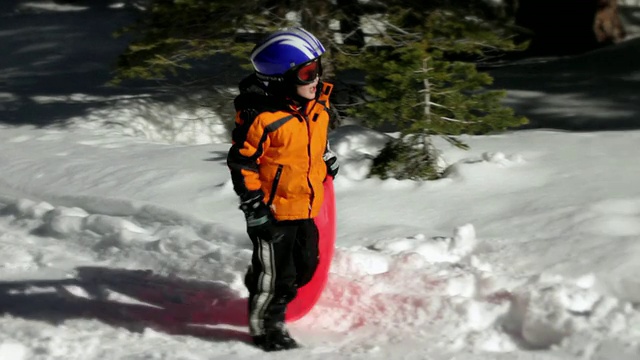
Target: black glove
[(331, 160), (258, 216)]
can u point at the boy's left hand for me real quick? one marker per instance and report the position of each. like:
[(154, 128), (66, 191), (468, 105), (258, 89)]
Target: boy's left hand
[(331, 160)]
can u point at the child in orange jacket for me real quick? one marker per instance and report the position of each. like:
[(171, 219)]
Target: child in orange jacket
[(278, 161)]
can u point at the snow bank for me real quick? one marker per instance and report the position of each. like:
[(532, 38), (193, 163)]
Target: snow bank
[(36, 6), (145, 235), (60, 6), (551, 311), (412, 286), (356, 148), (482, 166), (181, 121), (415, 287), (13, 351)]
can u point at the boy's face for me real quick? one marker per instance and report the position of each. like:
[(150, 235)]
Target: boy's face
[(308, 91)]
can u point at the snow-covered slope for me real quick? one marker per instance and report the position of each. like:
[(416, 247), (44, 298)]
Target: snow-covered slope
[(532, 247)]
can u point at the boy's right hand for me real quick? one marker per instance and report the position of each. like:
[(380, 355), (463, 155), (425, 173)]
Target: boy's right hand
[(259, 222), (258, 216)]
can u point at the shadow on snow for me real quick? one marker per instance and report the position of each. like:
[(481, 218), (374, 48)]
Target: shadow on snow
[(168, 304), (56, 64), (52, 58), (591, 92)]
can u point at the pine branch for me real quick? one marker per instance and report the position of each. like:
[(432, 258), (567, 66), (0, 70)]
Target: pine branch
[(458, 121)]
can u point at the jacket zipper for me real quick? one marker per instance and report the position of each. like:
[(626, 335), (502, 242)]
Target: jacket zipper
[(313, 195), (274, 186), (306, 121)]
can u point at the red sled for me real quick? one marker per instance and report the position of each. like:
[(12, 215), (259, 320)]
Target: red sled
[(309, 294)]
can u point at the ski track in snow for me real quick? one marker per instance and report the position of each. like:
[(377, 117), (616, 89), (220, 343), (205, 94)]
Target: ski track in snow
[(390, 292)]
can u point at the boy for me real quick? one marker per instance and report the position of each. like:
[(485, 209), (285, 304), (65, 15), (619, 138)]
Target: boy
[(278, 161)]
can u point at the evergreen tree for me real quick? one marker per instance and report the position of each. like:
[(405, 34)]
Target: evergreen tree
[(171, 34), (414, 84), (420, 77)]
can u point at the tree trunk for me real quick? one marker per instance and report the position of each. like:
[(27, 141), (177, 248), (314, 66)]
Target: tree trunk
[(350, 23), (315, 19)]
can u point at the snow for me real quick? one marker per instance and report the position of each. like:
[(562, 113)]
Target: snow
[(527, 249)]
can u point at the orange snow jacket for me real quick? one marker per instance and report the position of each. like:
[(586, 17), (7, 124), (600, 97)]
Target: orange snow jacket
[(278, 149)]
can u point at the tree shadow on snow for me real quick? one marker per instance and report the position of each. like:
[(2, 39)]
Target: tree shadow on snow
[(590, 92), (207, 310), (57, 62)]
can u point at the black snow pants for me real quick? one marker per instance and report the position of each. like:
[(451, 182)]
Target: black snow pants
[(278, 269)]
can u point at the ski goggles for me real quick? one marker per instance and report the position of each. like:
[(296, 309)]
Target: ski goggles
[(308, 72)]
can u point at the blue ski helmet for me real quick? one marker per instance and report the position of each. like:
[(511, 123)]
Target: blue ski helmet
[(283, 50)]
